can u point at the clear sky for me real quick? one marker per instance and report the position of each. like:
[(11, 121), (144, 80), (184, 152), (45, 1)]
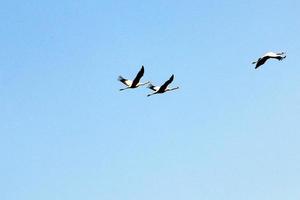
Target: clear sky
[(229, 132)]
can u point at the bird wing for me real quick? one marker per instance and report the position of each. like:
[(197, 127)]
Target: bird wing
[(261, 61), (125, 81), (165, 85), (152, 87), (138, 77)]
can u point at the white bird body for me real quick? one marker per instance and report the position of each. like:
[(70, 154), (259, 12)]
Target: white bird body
[(154, 88), (268, 55), (272, 54), (126, 81)]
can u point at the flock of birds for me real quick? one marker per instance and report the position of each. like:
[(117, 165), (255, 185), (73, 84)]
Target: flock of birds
[(135, 83)]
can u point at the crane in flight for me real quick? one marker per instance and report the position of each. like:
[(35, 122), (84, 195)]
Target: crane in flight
[(136, 81), (162, 89), (264, 58)]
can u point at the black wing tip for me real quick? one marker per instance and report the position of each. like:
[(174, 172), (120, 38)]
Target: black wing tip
[(142, 69)]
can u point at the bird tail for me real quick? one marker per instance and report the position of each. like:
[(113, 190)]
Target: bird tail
[(150, 85), (120, 78), (284, 55), (254, 62)]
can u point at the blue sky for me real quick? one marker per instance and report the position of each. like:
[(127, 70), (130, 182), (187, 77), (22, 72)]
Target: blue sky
[(230, 132)]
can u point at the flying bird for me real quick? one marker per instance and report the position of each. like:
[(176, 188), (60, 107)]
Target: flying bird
[(162, 89), (136, 81), (264, 58)]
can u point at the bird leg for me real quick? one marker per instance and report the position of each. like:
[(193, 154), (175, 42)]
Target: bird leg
[(175, 88), (281, 53), (141, 84)]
